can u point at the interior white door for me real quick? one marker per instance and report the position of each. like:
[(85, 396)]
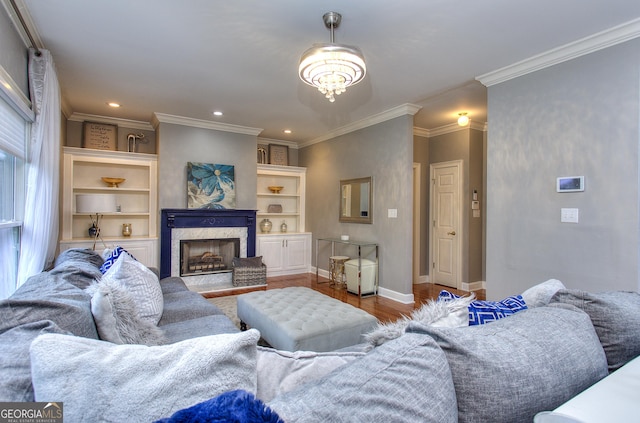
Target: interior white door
[(447, 228)]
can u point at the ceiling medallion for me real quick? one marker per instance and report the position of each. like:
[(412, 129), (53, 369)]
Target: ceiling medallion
[(332, 67)]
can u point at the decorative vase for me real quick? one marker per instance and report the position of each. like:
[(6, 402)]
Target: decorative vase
[(94, 231), (283, 227), (265, 226), (126, 229)]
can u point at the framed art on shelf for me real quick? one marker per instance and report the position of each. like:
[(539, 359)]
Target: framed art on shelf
[(279, 154), (99, 136)]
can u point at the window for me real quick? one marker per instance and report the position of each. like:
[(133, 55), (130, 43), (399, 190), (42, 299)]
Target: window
[(13, 136)]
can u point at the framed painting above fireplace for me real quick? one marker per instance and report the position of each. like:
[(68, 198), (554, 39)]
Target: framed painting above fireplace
[(210, 186)]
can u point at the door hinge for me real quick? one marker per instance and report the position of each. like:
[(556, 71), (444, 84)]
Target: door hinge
[(433, 265)]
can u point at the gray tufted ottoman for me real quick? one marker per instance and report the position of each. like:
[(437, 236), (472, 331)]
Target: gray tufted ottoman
[(298, 318)]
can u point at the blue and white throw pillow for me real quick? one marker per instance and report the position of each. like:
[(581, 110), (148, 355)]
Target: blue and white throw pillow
[(110, 257), (481, 312)]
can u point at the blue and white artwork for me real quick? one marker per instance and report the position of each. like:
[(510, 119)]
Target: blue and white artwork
[(210, 186)]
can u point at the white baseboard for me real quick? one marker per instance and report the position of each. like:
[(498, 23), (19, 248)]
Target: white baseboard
[(473, 286), (422, 279), (382, 292), (396, 296)]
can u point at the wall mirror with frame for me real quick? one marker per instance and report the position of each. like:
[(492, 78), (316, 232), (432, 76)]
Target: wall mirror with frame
[(356, 200)]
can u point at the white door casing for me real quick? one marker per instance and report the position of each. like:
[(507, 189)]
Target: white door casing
[(446, 216)]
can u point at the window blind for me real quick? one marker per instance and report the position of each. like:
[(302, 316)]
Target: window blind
[(13, 131)]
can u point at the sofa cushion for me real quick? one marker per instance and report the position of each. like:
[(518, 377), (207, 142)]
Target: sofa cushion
[(282, 371), (172, 284), (15, 367), (136, 383), (200, 326), (117, 317), (516, 367), (141, 282), (616, 318), (404, 380), (186, 305), (481, 312)]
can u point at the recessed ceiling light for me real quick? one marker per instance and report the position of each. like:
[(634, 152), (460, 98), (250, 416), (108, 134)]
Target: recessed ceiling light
[(217, 113), (113, 104), (287, 131)]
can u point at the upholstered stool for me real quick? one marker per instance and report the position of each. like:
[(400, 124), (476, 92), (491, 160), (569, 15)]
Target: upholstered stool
[(298, 318), (336, 271)]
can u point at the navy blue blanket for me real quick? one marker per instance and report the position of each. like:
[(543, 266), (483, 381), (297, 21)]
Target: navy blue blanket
[(234, 406)]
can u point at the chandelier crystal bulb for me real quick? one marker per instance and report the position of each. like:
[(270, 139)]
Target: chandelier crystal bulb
[(331, 68)]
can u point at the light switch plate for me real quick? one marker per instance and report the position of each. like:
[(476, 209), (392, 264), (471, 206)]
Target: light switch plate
[(569, 215)]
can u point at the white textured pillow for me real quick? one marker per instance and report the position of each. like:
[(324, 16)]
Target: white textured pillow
[(283, 371), (117, 318), (540, 295), (97, 380), (142, 284)]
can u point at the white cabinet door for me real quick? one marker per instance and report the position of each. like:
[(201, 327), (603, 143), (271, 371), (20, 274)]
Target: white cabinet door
[(272, 252), (296, 253), (285, 254)]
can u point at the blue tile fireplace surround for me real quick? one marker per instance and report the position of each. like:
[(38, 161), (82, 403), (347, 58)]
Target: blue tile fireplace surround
[(203, 218)]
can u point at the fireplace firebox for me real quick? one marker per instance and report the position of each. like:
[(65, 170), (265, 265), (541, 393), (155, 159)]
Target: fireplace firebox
[(206, 256)]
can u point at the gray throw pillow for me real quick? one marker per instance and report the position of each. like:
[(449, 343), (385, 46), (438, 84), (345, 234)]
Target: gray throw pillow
[(100, 381), (117, 318), (616, 318), (247, 261), (515, 367), (405, 380)]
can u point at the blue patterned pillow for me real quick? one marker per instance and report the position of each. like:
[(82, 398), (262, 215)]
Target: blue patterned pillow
[(111, 257), (481, 312)]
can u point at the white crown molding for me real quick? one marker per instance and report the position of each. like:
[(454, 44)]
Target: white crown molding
[(404, 109), (290, 144), (446, 129), (421, 132), (590, 44), (204, 124), (133, 124)]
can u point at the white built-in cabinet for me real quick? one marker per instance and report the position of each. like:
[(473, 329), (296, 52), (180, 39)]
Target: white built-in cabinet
[(289, 252), (137, 198)]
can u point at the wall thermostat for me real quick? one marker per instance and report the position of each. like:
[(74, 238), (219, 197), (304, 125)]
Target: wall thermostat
[(570, 184)]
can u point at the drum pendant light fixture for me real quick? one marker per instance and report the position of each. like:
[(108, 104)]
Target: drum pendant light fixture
[(332, 67)]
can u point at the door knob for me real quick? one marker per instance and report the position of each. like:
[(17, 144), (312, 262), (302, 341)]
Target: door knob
[(451, 233)]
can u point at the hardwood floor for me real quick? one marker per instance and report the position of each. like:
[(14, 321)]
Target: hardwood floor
[(383, 309)]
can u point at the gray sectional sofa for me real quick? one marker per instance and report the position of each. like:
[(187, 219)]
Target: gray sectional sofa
[(505, 371)]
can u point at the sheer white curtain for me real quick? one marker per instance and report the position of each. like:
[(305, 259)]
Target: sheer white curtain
[(40, 229)]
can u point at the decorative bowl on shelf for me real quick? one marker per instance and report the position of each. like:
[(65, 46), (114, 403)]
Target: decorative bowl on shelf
[(275, 189), (112, 182)]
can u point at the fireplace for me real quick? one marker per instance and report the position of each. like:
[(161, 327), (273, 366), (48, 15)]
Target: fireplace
[(207, 256), (199, 244)]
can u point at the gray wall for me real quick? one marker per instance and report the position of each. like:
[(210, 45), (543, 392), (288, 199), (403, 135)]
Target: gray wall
[(179, 144), (384, 151), (576, 118), (13, 53)]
